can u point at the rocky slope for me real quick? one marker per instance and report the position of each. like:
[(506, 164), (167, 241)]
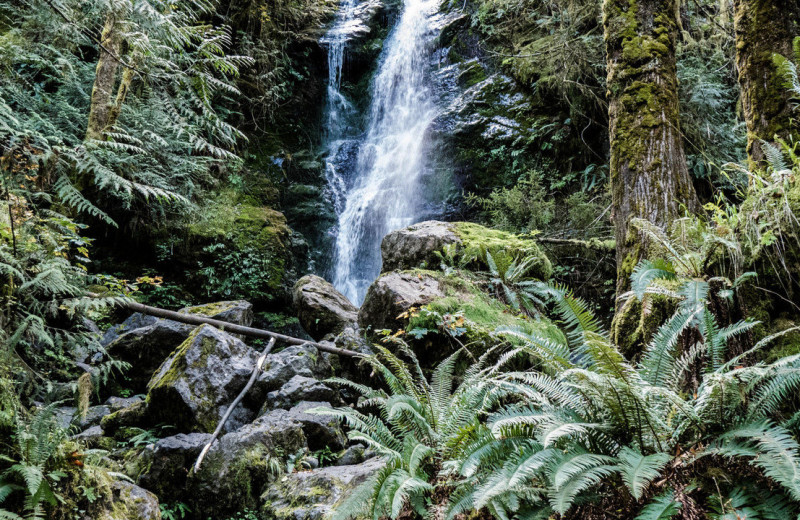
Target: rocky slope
[(277, 456)]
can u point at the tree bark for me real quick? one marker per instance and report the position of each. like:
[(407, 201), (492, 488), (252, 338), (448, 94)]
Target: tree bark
[(649, 176), (101, 104), (764, 28)]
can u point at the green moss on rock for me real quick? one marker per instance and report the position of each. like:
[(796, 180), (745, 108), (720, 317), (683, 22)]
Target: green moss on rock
[(482, 313), (477, 241)]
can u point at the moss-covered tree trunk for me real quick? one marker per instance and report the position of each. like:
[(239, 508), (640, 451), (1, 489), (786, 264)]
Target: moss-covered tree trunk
[(649, 176), (101, 104), (764, 28)]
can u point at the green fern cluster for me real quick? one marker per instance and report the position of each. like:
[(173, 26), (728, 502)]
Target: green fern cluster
[(418, 427), (585, 426), (172, 124)]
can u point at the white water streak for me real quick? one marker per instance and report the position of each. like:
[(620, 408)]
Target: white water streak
[(385, 192)]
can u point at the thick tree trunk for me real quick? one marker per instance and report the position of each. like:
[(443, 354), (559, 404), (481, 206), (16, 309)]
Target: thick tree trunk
[(101, 104), (649, 176), (764, 28)]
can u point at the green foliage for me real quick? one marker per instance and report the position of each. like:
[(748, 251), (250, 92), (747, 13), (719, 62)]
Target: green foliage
[(511, 284), (34, 474), (419, 427), (236, 273), (589, 415), (708, 96), (174, 511), (789, 70), (662, 507), (170, 128), (524, 207)]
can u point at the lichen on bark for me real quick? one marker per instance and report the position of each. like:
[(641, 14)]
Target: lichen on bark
[(649, 176), (764, 28)]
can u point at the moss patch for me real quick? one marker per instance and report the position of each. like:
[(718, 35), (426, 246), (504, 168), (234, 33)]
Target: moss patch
[(482, 313), (478, 240)]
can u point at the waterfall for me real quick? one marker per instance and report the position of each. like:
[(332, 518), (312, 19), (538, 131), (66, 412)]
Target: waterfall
[(339, 110), (382, 191)]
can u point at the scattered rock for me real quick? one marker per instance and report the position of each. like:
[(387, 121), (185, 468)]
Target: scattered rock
[(393, 294), (132, 415), (279, 368), (63, 416), (118, 403), (238, 467), (297, 389), (194, 386), (95, 437), (321, 430), (311, 495), (130, 502), (320, 308), (351, 338), (416, 245), (169, 464), (238, 312), (352, 455), (94, 414)]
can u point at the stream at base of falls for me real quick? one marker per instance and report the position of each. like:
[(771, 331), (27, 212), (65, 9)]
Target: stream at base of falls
[(374, 170)]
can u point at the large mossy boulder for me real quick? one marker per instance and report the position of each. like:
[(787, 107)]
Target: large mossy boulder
[(130, 502), (393, 294), (145, 341), (417, 246), (321, 309), (238, 312), (424, 303), (239, 467), (248, 246), (196, 383), (312, 495)]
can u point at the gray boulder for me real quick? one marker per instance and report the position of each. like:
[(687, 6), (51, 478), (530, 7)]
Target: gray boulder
[(145, 348), (352, 455), (393, 294), (298, 389), (132, 415), (94, 414), (137, 320), (64, 415), (416, 245), (194, 386), (320, 308), (312, 495), (95, 437), (321, 431), (130, 502), (169, 463), (239, 312), (296, 360), (118, 403), (240, 465)]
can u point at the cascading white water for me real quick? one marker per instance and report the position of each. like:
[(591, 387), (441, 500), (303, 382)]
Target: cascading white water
[(339, 109), (384, 192)]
